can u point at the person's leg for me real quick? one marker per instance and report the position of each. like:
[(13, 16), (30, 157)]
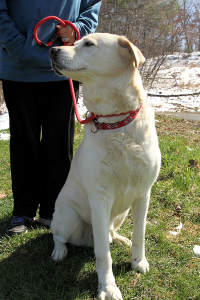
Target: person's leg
[(57, 141), (24, 112), (23, 103)]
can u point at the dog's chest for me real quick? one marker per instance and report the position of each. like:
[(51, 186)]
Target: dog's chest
[(120, 160)]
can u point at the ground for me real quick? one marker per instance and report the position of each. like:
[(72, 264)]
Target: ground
[(166, 123)]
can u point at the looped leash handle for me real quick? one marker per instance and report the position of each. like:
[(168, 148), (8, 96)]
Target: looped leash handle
[(55, 36)]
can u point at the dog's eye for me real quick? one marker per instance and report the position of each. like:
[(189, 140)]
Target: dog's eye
[(88, 44)]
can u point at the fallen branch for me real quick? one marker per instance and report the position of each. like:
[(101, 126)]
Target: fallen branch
[(168, 96)]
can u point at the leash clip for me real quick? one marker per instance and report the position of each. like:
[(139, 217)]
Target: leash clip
[(95, 122)]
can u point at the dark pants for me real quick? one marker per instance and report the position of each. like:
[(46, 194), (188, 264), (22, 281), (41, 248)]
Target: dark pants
[(41, 144)]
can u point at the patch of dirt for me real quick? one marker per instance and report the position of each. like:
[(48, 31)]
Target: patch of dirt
[(168, 125)]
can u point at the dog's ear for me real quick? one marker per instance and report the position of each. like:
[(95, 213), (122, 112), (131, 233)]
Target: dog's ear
[(129, 51)]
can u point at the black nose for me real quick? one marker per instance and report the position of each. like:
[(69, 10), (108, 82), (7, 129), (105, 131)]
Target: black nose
[(53, 51)]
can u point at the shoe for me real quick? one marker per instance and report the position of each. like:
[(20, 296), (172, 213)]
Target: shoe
[(18, 225), (45, 222)]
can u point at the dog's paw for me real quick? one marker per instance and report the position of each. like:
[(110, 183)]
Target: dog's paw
[(59, 252), (109, 292), (120, 240), (141, 265)]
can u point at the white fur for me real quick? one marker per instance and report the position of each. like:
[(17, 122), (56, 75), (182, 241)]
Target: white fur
[(112, 170)]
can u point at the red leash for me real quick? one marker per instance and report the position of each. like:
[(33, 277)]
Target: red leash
[(132, 114), (53, 39)]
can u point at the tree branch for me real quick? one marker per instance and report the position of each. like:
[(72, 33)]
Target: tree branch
[(176, 95)]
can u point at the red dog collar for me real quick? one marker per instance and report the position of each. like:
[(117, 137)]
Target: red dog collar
[(106, 126)]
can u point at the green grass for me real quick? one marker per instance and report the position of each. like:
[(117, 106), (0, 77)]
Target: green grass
[(27, 271)]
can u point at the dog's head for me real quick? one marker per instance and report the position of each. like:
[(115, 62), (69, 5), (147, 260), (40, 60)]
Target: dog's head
[(98, 54)]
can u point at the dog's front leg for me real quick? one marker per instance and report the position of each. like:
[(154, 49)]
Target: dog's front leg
[(140, 208), (100, 224)]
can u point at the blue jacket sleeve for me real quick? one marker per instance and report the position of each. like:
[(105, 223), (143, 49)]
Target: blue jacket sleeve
[(88, 18), (10, 38)]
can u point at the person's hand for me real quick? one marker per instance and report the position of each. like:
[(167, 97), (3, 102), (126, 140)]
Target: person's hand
[(67, 34)]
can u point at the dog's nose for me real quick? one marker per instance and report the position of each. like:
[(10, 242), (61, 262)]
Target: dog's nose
[(53, 51)]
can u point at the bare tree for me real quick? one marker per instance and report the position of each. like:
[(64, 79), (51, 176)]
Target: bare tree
[(149, 24), (1, 94), (195, 23)]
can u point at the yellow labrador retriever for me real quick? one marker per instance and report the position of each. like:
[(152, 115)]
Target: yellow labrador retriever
[(115, 166)]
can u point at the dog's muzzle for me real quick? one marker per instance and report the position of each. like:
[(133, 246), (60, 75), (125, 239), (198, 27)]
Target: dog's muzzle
[(53, 52)]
